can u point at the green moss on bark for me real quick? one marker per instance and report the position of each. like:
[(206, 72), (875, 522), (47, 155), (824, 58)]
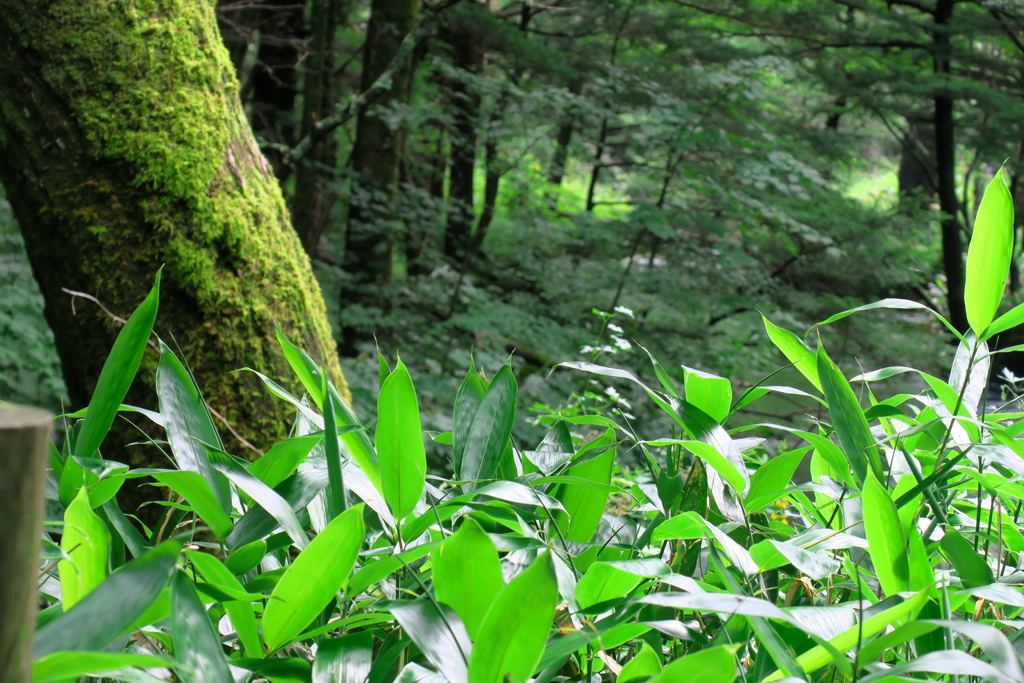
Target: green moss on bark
[(124, 147)]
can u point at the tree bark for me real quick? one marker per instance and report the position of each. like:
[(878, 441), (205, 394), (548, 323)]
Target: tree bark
[(313, 197), (124, 147), (369, 239), (24, 451), (564, 138), (467, 48), (945, 160)]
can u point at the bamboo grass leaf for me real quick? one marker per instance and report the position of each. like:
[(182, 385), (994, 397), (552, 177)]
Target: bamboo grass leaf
[(989, 255), (400, 450), (117, 374)]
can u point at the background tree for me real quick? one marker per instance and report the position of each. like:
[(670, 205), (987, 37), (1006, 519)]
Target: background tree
[(124, 148)]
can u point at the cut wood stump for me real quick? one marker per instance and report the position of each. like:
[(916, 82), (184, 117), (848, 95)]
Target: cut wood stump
[(24, 449)]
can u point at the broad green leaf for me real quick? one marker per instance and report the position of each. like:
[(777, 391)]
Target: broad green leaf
[(713, 665), (848, 420), (63, 666), (357, 442), (414, 673), (736, 478), (794, 351), (491, 428), (197, 649), (771, 478), (584, 505), (971, 567), (989, 255), (374, 572), (344, 660), (887, 542), (687, 525), (86, 540), (267, 498), (245, 558), (295, 493), (467, 402), (188, 424), (603, 582), (196, 490), (102, 477), (512, 636), (819, 656), (110, 608), (894, 304), (313, 579), (335, 492), (241, 613), (644, 663), (117, 374), (710, 393), (280, 461), (440, 635), (467, 574), (400, 451)]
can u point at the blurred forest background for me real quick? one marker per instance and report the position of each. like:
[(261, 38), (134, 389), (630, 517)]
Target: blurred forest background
[(571, 179)]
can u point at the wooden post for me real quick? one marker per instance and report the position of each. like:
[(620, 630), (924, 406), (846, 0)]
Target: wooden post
[(24, 450)]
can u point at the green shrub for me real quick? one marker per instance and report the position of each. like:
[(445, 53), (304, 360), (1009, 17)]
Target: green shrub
[(336, 557)]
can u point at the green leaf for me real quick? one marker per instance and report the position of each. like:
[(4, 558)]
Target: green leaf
[(491, 428), (710, 393), (644, 663), (86, 540), (344, 660), (467, 574), (467, 402), (794, 351), (603, 581), (313, 579), (335, 492), (771, 478), (583, 504), (403, 460), (280, 461), (687, 525), (848, 420), (196, 490), (268, 499), (196, 643), (708, 453), (713, 665), (357, 442), (63, 666), (989, 255), (887, 543), (440, 635), (241, 613), (117, 374), (819, 656), (110, 608), (970, 566), (188, 424), (513, 634)]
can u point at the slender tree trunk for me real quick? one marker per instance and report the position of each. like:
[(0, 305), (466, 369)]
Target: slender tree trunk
[(277, 28), (124, 147), (467, 55), (375, 160), (313, 198), (945, 159), (563, 139)]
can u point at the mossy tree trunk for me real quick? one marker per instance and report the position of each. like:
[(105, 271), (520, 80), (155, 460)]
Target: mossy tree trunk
[(369, 238), (123, 147)]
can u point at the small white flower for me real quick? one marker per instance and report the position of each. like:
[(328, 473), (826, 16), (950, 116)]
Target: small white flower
[(624, 403), (587, 349), (628, 416), (621, 343), (614, 328), (1010, 377), (624, 311), (611, 391)]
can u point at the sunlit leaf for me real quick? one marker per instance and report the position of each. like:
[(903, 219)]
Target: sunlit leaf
[(400, 451), (989, 255)]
